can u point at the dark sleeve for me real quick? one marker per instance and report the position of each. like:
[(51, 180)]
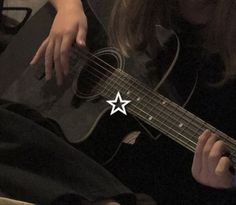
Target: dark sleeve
[(218, 196), (33, 115), (37, 166)]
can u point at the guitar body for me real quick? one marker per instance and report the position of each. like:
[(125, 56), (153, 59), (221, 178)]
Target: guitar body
[(28, 86), (77, 105)]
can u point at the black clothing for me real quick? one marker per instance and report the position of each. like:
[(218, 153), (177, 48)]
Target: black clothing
[(38, 166), (163, 168)]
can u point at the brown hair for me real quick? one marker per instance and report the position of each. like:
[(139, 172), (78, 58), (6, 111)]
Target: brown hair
[(132, 27)]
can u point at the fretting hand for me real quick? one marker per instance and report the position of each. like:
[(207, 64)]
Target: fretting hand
[(210, 167)]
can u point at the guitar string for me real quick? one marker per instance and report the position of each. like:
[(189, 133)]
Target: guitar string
[(174, 137), (197, 121), (128, 77), (159, 99), (225, 139), (112, 92), (184, 143), (228, 144), (135, 106), (142, 117), (139, 108), (170, 104)]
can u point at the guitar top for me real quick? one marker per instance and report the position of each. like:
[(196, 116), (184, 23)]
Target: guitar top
[(77, 117)]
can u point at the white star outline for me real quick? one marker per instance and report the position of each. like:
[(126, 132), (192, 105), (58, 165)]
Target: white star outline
[(117, 108)]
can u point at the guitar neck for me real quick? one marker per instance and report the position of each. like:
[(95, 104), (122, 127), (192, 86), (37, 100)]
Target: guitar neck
[(161, 113)]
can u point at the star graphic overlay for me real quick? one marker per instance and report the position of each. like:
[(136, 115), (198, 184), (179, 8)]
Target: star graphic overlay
[(118, 105)]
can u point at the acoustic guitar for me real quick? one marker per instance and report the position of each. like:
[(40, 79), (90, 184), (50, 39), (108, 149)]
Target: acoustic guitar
[(96, 77)]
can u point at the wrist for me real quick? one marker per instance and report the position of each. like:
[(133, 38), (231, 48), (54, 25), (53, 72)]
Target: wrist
[(62, 5)]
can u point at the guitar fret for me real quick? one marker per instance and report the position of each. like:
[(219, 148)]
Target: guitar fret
[(159, 112)]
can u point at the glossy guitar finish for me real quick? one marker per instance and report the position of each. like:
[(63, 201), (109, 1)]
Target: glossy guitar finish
[(77, 117), (79, 104), (26, 84)]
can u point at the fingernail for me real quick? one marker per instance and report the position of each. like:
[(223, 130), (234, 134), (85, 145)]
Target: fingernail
[(82, 43), (207, 131), (199, 138)]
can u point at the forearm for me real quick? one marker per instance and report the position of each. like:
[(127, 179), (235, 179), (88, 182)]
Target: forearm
[(62, 4)]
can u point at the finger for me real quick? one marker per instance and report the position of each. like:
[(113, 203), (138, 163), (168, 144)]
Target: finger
[(65, 48), (49, 60), (57, 61), (222, 168), (81, 36), (206, 151), (215, 155), (40, 52), (197, 160)]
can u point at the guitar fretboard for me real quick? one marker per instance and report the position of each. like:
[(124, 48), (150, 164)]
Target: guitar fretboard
[(161, 113)]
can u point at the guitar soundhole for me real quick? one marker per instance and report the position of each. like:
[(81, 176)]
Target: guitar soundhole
[(92, 77)]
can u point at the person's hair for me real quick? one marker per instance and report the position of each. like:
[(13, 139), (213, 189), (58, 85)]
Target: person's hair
[(132, 27)]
